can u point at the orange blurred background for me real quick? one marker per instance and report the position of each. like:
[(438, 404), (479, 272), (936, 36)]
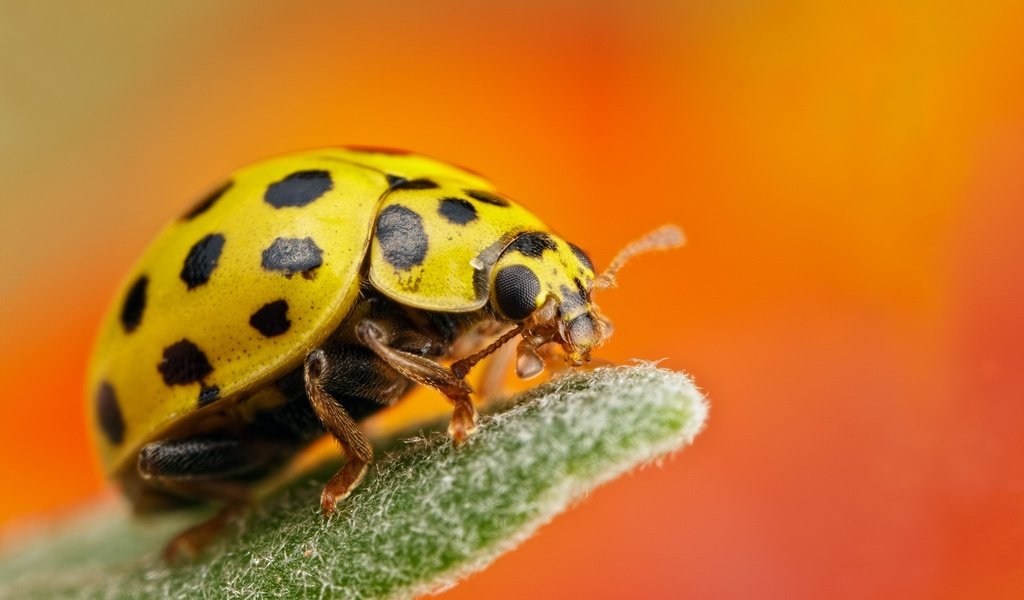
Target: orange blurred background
[(850, 180)]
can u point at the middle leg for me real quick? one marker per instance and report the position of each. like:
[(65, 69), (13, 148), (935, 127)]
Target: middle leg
[(340, 379)]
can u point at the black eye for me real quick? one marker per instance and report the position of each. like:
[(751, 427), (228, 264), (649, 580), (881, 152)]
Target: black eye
[(515, 290), (582, 256)]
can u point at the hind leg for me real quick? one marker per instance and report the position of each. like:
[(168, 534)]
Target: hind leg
[(207, 468)]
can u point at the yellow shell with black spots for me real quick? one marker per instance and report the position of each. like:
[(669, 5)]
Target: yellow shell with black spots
[(232, 295)]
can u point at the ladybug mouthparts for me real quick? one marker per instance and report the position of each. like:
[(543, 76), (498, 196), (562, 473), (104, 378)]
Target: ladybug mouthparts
[(577, 333)]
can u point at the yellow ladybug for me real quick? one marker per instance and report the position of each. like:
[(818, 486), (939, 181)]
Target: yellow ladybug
[(308, 292)]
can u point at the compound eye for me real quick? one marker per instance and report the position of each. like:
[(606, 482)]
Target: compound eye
[(516, 288)]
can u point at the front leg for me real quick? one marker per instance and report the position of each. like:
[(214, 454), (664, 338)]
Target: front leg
[(377, 336)]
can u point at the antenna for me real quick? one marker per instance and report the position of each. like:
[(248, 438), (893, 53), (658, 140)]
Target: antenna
[(665, 237), (462, 367)]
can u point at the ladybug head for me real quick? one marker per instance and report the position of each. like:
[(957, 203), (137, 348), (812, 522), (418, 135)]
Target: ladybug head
[(546, 284)]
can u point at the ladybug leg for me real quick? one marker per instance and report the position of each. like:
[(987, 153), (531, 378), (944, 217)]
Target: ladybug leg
[(426, 372), (340, 424), (204, 459), (190, 543), (208, 468)]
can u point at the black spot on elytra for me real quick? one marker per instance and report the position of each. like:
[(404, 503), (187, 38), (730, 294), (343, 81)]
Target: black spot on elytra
[(108, 414), (582, 256), (271, 319), (419, 184), (202, 260), (402, 238), (457, 210), (292, 255), (400, 183), (515, 289), (533, 244), (487, 197), (205, 204), (298, 189), (134, 304), (184, 363), (208, 394)]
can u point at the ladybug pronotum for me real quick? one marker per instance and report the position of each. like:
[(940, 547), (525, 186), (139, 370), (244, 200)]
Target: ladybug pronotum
[(309, 291)]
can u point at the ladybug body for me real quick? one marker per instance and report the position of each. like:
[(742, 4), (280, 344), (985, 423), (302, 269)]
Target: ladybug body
[(307, 292)]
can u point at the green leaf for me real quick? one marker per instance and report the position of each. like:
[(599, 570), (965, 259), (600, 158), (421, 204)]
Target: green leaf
[(425, 516)]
